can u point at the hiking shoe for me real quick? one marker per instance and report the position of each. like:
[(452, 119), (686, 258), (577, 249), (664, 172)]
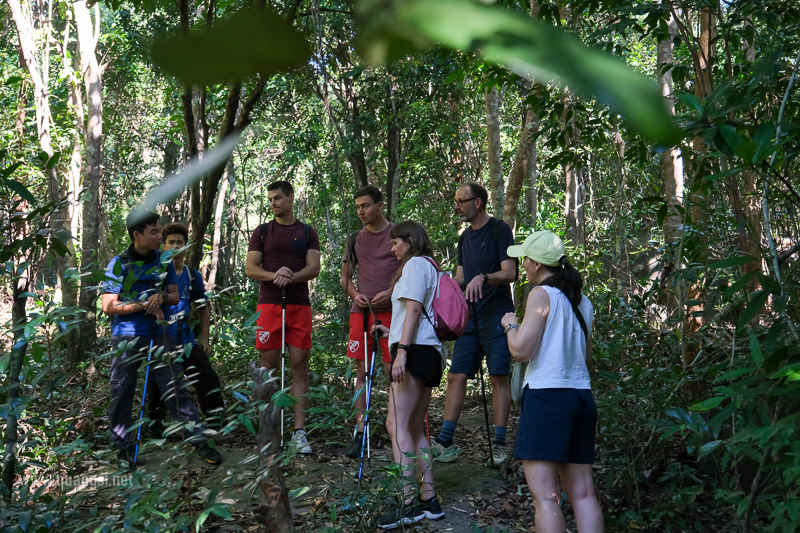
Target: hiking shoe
[(125, 458), (432, 508), (409, 515), (299, 442), (354, 451), (445, 454), (209, 454), (500, 457)]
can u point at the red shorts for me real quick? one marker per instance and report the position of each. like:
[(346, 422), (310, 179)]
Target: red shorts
[(298, 326), (355, 346)]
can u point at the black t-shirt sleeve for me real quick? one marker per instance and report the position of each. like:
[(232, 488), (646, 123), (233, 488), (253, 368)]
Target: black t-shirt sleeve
[(505, 239)]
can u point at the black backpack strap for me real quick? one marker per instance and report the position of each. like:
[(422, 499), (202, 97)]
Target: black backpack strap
[(496, 237), (581, 320), (307, 231), (263, 229), (350, 248), (461, 242)]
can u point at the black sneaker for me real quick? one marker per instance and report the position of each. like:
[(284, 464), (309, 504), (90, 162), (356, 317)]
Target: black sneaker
[(125, 458), (355, 450), (432, 508), (409, 515), (209, 454)]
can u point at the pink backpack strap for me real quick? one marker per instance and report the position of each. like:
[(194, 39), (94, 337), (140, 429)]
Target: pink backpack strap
[(431, 261)]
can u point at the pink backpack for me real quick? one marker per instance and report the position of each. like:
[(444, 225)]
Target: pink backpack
[(450, 313)]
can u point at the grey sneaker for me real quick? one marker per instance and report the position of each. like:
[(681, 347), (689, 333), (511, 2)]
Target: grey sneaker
[(445, 454), (499, 456), (299, 442)]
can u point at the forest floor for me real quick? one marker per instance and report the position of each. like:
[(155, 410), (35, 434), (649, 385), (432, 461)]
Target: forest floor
[(474, 497)]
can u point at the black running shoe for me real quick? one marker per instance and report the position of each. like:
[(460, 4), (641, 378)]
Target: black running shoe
[(209, 454), (432, 508), (410, 514), (355, 450)]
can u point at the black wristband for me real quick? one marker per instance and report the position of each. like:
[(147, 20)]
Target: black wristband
[(485, 277), (403, 347)]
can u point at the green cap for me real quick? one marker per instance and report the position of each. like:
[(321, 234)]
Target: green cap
[(542, 246)]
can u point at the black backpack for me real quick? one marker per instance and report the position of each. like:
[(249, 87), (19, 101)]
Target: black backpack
[(495, 237)]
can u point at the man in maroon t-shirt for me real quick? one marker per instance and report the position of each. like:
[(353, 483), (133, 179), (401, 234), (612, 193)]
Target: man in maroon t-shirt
[(287, 256), (372, 253)]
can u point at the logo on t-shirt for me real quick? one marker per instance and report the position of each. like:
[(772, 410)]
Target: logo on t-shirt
[(263, 336), (354, 346)]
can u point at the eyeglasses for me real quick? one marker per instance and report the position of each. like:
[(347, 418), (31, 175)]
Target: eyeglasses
[(462, 202)]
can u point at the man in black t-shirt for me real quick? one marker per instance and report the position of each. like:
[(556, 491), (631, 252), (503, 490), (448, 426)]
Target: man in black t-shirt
[(485, 272)]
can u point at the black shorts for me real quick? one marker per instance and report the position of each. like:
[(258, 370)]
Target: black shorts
[(423, 362), (557, 425)]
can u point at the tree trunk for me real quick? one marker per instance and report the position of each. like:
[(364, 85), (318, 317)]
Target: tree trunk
[(215, 247), (19, 318), (392, 157), (43, 121), (695, 313), (524, 167), (93, 140), (494, 152), (619, 223), (574, 211), (274, 514)]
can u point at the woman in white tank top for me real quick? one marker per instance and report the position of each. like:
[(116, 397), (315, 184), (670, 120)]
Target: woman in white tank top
[(555, 438)]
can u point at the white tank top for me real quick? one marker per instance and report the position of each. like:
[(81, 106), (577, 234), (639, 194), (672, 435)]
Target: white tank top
[(560, 360)]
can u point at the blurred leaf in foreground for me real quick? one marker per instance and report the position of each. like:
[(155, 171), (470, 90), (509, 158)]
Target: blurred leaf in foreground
[(248, 43), (520, 43)]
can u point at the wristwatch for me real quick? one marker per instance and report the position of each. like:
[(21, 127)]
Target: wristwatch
[(510, 327), (485, 277), (403, 347)]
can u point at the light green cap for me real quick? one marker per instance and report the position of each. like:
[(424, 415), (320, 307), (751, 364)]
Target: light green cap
[(542, 246)]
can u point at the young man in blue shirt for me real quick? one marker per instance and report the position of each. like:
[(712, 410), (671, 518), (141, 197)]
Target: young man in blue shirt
[(139, 289), (191, 291)]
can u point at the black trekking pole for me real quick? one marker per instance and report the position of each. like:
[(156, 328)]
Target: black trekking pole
[(365, 435), (483, 386), (283, 349), (144, 395)]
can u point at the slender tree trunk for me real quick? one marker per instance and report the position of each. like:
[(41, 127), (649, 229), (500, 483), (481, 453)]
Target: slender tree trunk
[(574, 211), (90, 243), (19, 318), (494, 152), (619, 223), (215, 247), (393, 145), (695, 313), (524, 167)]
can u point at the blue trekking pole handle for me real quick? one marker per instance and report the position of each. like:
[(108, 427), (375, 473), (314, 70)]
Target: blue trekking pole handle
[(144, 393)]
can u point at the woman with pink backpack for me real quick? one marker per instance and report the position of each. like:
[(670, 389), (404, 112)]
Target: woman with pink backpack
[(418, 361)]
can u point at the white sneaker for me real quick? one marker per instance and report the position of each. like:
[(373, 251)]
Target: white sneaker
[(499, 456), (299, 443)]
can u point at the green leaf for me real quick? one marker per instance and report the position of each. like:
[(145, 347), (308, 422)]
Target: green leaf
[(731, 137), (707, 404), (755, 350), (763, 140), (248, 43), (53, 161), (733, 374), (20, 189), (754, 308), (296, 493), (709, 447), (737, 285), (723, 174), (733, 261), (518, 42)]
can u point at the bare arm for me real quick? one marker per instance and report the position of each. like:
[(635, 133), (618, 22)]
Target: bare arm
[(524, 343), (460, 277), (254, 270), (346, 281), (311, 269), (173, 298), (410, 325)]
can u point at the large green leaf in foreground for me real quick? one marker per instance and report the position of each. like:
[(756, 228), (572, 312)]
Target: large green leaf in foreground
[(521, 44), (250, 42)]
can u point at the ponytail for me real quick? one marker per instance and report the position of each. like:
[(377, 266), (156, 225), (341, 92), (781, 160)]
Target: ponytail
[(566, 279)]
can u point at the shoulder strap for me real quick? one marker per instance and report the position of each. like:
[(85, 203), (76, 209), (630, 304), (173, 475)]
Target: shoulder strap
[(263, 229), (350, 249), (461, 242), (581, 320), (307, 230), (496, 237), (436, 286)]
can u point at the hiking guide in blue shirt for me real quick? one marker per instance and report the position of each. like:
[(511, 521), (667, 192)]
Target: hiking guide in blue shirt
[(138, 292), (486, 272), (198, 367)]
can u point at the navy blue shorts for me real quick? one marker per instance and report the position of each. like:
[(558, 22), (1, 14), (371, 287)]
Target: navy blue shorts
[(557, 425), (467, 356)]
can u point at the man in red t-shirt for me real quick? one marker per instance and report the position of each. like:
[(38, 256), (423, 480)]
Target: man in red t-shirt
[(286, 256), (372, 253)]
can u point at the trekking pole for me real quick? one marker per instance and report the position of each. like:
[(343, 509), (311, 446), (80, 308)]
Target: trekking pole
[(144, 394), (483, 386), (283, 349), (365, 435)]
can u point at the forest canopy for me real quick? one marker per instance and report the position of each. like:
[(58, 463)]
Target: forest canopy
[(659, 139)]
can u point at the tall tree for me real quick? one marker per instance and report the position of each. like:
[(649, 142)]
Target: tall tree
[(494, 151)]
